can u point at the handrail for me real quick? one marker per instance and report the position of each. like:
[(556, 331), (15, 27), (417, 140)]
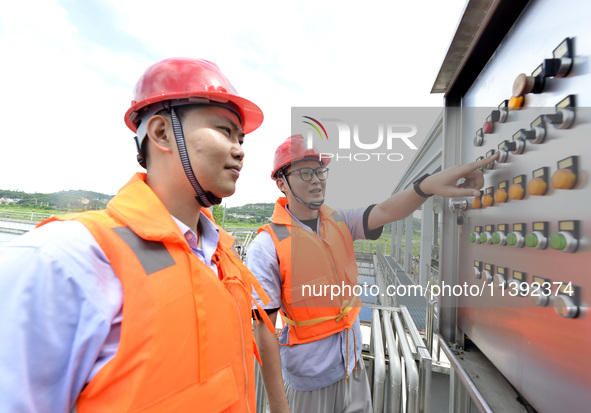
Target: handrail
[(379, 370), (475, 394), (424, 361), (387, 274), (412, 374), (24, 215), (393, 404)]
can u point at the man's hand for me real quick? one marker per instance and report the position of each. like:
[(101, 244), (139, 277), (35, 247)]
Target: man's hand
[(445, 183)]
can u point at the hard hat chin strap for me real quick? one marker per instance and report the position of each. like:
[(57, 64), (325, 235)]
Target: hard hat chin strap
[(205, 199), (311, 205)]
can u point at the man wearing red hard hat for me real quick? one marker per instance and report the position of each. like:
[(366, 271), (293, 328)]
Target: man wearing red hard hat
[(315, 365), (143, 306)]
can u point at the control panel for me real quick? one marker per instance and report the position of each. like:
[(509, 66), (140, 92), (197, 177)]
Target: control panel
[(526, 240)]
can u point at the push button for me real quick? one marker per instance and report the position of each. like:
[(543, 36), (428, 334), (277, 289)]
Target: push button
[(500, 196), (476, 269), (567, 239), (515, 238), (565, 306), (486, 236), (516, 102), (500, 279), (499, 237), (525, 84), (565, 176), (519, 278), (539, 184), (563, 179), (475, 236), (477, 202), (538, 237), (479, 138), (517, 189), (535, 240), (567, 300), (540, 291)]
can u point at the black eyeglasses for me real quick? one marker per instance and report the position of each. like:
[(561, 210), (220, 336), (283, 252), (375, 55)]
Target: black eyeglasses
[(308, 173)]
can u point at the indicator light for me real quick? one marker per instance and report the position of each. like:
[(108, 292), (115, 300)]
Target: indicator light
[(537, 238), (476, 203), (566, 239), (511, 239), (566, 175), (499, 238), (564, 179), (558, 242), (516, 191), (537, 186), (486, 238), (487, 200), (500, 196)]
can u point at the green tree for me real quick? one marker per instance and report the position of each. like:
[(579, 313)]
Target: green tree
[(218, 214)]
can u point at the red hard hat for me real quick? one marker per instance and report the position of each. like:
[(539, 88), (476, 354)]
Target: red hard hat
[(295, 148), (186, 78)]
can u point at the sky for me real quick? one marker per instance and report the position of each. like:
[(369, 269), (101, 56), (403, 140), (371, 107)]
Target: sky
[(69, 68)]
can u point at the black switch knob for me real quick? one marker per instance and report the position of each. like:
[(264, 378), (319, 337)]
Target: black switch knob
[(510, 145), (555, 118)]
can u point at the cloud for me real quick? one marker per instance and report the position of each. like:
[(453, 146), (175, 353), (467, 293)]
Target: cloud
[(69, 69)]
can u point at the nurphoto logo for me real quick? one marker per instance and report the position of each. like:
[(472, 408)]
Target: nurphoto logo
[(376, 142)]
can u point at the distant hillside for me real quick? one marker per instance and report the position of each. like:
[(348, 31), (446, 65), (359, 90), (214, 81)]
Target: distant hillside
[(258, 214), (252, 214), (73, 199)]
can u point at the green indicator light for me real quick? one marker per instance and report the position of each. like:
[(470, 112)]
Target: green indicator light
[(558, 241), (511, 239), (531, 240), (496, 238), (483, 238), (472, 237)]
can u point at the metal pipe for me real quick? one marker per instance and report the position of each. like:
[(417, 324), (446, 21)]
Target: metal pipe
[(424, 362), (475, 394), (379, 370), (395, 389), (412, 373)]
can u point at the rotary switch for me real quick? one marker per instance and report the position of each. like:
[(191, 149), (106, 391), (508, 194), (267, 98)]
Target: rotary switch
[(565, 113)]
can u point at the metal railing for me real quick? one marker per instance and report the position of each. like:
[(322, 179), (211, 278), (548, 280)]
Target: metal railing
[(372, 247), (23, 215), (385, 276), (398, 384)]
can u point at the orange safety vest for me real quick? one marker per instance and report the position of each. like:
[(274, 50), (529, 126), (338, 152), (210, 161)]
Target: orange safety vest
[(310, 266), (186, 335)]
